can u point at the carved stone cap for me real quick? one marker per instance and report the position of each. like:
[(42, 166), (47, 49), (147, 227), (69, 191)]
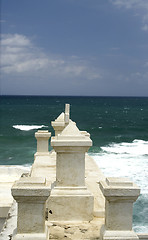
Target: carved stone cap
[(119, 187), (71, 136), (118, 182), (42, 134), (59, 121), (30, 188)]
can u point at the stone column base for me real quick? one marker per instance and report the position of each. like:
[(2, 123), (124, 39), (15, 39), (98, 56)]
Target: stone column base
[(118, 235), (30, 236), (70, 204)]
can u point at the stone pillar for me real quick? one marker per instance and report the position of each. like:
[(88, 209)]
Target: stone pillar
[(42, 142), (67, 113), (70, 200), (59, 124), (61, 121), (31, 195), (120, 194)]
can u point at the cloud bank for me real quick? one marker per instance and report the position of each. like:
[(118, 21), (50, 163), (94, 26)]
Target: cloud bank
[(20, 55), (28, 70), (140, 8)]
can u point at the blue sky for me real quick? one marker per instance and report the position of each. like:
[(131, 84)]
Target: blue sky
[(74, 47)]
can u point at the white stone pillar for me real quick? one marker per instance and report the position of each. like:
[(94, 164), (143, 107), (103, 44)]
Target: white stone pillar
[(70, 200), (120, 194), (67, 113), (31, 195), (59, 124), (62, 120), (42, 137)]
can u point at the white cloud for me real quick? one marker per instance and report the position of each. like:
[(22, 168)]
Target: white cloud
[(137, 4), (146, 64), (12, 40), (2, 21), (145, 27), (140, 8), (20, 55)]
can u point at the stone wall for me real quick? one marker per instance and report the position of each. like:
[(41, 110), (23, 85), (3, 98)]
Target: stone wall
[(81, 202)]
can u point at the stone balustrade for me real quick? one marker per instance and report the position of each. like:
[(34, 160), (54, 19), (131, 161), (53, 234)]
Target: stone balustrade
[(70, 201), (120, 194), (31, 195)]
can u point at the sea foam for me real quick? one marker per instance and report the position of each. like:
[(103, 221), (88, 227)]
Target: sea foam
[(28, 127), (137, 147), (128, 160), (125, 160)]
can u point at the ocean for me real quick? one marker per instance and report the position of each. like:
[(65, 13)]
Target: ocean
[(118, 127)]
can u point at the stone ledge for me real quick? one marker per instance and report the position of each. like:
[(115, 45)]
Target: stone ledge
[(142, 236), (28, 236)]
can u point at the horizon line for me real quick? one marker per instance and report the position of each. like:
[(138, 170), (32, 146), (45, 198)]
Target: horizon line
[(28, 95)]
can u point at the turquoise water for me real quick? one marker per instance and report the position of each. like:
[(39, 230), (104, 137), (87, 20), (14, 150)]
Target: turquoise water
[(118, 128)]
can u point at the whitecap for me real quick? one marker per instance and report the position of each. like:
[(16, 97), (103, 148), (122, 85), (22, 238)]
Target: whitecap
[(28, 127), (140, 229), (127, 160), (136, 148)]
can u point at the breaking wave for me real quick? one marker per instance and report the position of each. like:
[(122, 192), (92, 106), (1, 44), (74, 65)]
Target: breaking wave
[(128, 160), (28, 127)]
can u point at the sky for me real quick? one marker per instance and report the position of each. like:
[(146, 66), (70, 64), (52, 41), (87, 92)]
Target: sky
[(74, 47)]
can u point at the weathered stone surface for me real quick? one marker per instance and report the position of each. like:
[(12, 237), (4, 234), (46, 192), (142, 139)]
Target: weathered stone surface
[(120, 193), (8, 174), (70, 205), (61, 121), (31, 195), (28, 236), (75, 230), (119, 235), (42, 137), (114, 188), (70, 193), (10, 224), (67, 113), (143, 236)]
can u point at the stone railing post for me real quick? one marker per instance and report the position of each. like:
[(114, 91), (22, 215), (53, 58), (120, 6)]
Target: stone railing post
[(59, 124), (120, 194), (31, 195), (42, 137), (70, 200), (67, 113), (61, 121)]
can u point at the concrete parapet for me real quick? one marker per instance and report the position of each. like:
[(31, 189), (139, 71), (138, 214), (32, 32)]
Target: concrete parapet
[(120, 194), (31, 195)]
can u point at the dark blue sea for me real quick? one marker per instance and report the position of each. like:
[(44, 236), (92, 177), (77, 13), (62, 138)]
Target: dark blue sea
[(118, 127)]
